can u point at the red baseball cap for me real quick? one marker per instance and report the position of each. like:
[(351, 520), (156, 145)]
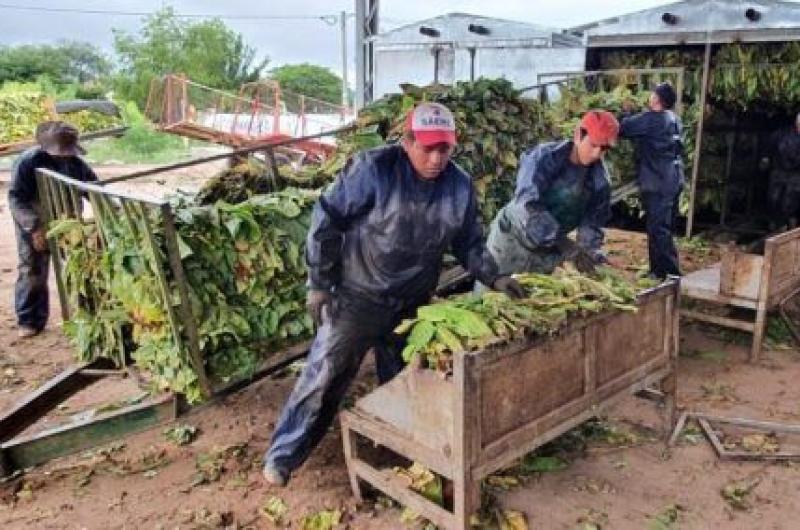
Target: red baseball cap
[(601, 126), (431, 124)]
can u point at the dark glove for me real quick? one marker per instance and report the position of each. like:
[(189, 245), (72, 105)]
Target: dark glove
[(316, 300), (578, 255), (509, 286)]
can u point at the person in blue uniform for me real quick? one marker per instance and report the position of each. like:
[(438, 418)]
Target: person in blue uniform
[(561, 187), (58, 150), (374, 254), (783, 193), (656, 134)]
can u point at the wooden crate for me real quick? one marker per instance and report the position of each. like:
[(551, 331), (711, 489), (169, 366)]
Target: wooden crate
[(504, 402), (749, 281)]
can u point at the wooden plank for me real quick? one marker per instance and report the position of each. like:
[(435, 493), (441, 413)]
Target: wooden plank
[(519, 388), (783, 237), (405, 403), (711, 435), (740, 274), (753, 424), (350, 455), (47, 397), (590, 359), (516, 444), (393, 486), (630, 340), (698, 142), (21, 453), (386, 435), (466, 439), (676, 432), (720, 321)]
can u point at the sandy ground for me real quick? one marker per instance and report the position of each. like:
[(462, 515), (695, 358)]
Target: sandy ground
[(146, 481)]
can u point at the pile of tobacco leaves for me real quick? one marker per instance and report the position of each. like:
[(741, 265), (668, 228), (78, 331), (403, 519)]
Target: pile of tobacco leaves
[(470, 323), (494, 123), (245, 275), (20, 113)]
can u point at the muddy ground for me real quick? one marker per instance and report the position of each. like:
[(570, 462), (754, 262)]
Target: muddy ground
[(616, 481)]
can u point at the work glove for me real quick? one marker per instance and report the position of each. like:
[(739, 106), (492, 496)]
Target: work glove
[(578, 255), (509, 286), (39, 240), (316, 301)]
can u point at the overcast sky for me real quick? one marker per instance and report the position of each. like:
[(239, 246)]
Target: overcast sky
[(283, 41)]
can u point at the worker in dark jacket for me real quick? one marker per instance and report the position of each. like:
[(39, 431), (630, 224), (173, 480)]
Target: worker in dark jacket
[(374, 254), (784, 177), (656, 134), (561, 187), (59, 151)]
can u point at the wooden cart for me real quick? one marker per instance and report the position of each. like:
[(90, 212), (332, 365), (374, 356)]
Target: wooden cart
[(504, 402), (749, 281)]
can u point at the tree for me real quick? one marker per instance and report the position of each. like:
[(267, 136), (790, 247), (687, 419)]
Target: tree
[(208, 52), (309, 80), (67, 62)]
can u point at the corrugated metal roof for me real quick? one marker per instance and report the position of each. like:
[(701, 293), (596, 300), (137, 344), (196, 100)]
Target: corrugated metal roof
[(454, 29), (696, 21)]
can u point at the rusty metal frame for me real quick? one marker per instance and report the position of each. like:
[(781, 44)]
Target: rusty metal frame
[(19, 451)]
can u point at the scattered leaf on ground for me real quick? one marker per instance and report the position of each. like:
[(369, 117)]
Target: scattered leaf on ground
[(667, 519), (181, 434), (737, 493), (323, 520), (274, 510)]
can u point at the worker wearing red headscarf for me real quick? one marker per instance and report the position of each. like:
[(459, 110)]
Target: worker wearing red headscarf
[(561, 187)]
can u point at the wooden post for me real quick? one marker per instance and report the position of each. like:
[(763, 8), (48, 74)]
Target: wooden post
[(467, 488), (698, 141), (731, 141)]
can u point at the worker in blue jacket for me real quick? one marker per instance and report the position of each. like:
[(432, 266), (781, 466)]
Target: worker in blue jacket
[(59, 151), (561, 187), (656, 134), (374, 254), (783, 193)]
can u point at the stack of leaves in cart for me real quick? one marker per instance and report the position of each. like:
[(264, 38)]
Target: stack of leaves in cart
[(251, 176), (244, 273), (245, 267), (20, 113), (471, 323)]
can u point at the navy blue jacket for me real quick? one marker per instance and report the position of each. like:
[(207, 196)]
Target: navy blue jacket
[(659, 151), (380, 231), (22, 193), (550, 202), (786, 149)]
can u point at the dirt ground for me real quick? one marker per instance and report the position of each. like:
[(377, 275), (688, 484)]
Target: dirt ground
[(146, 481)]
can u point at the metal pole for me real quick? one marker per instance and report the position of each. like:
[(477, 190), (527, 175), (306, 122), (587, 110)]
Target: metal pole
[(345, 89), (698, 141), (361, 78)]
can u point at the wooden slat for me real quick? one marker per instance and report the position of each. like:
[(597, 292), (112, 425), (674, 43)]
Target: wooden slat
[(393, 486), (720, 321), (753, 424), (21, 453), (385, 434), (47, 397), (712, 437), (520, 442)]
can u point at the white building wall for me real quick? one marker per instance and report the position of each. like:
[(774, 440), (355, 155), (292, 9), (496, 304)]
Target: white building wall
[(520, 65)]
